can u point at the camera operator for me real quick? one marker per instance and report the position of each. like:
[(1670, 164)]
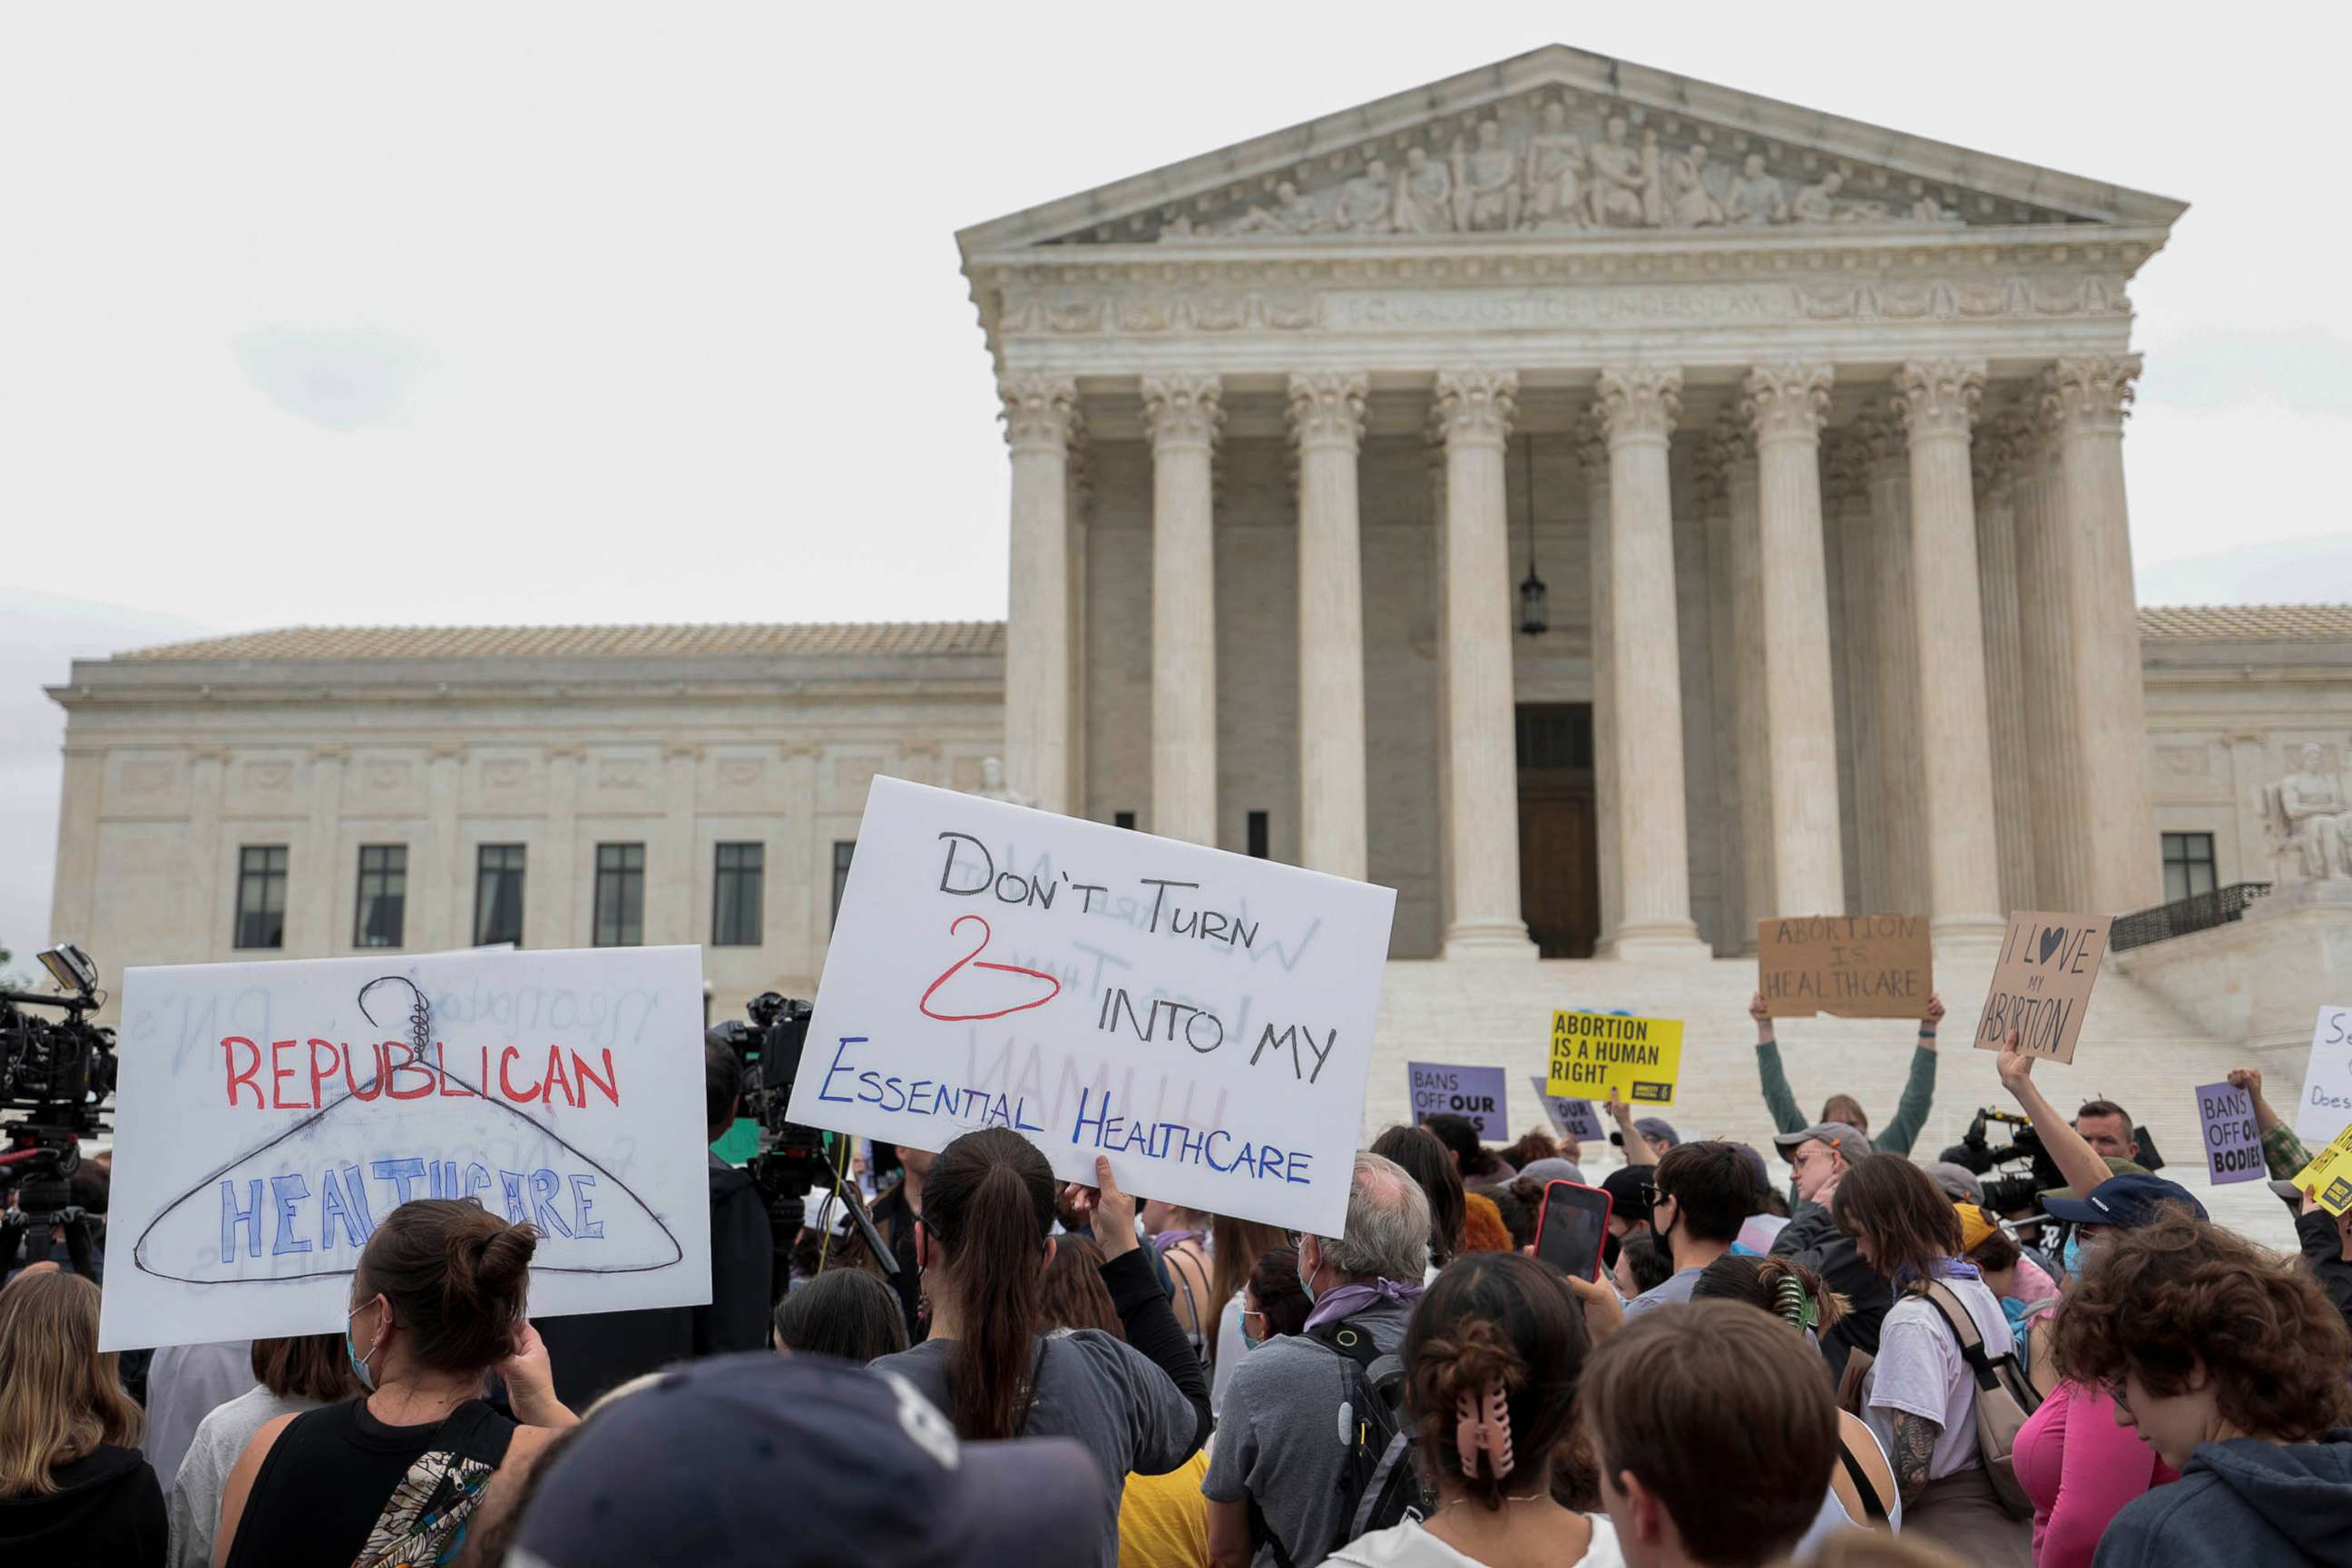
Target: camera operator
[(896, 1213)]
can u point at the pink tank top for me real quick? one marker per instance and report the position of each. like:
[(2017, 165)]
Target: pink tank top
[(2080, 1467)]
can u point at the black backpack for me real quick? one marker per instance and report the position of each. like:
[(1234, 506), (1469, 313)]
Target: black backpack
[(1379, 1486)]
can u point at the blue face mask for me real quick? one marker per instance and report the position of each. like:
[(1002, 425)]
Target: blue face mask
[(2070, 1256), (1306, 1282), (359, 1365)]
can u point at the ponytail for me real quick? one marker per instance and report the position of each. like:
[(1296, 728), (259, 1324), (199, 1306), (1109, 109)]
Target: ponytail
[(989, 1205)]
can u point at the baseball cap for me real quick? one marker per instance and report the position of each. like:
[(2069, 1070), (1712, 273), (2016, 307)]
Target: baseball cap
[(803, 1460), (1957, 1180), (1851, 1141), (1555, 1170), (1655, 1128), (1975, 1226), (1629, 1188), (1756, 1170), (2125, 1200)]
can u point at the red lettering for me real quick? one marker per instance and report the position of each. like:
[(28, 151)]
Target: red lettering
[(505, 1083), (461, 1091), (375, 1084), (610, 1084), (252, 1066), (279, 1073), (555, 1074), (410, 1063), (318, 1076)]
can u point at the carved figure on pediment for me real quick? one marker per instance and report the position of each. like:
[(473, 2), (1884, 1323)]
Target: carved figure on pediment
[(1425, 195), (1291, 213), (2309, 827), (1927, 209), (1755, 196), (1690, 203), (1555, 173), (1485, 181), (1365, 201), (993, 785), (1821, 203), (1625, 192)]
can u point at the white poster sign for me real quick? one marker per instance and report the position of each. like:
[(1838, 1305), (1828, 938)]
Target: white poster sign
[(2325, 1107), (1204, 1019), (270, 1115)]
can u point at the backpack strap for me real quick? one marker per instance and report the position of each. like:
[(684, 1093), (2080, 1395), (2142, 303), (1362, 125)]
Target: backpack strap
[(1873, 1508), (1963, 1324)]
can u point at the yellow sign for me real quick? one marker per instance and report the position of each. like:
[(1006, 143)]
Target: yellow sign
[(1592, 1053), (2330, 1172)]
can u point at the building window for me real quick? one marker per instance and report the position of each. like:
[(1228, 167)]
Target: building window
[(1123, 819), (1258, 835), (497, 894), (620, 895), (261, 895), (384, 895), (735, 895), (843, 849), (1555, 736), (2187, 865)]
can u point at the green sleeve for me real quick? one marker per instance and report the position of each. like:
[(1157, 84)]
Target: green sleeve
[(2285, 1152), (1911, 1114), (1786, 1117)]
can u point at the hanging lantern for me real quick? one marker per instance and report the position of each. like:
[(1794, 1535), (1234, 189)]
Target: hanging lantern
[(1535, 599)]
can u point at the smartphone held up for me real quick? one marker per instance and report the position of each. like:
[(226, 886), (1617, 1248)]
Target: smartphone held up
[(1573, 1227)]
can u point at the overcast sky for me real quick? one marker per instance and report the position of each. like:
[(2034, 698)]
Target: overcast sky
[(590, 313)]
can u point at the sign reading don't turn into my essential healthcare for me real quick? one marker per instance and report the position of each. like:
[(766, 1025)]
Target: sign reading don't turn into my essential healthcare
[(1204, 1019)]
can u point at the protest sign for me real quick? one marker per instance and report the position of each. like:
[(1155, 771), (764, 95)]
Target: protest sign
[(2233, 1144), (1850, 966), (270, 1115), (1592, 1053), (1571, 1117), (2329, 1174), (1204, 1019), (2042, 984), (1443, 1089), (2326, 1103)]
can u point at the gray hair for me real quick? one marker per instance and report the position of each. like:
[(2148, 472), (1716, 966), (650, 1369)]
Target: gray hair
[(1387, 1224)]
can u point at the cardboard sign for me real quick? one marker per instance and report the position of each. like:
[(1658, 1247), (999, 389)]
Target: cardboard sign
[(2327, 1100), (1443, 1089), (1570, 1117), (2233, 1144), (2041, 985), (1592, 1053), (270, 1115), (1849, 966), (2329, 1174), (1204, 1019)]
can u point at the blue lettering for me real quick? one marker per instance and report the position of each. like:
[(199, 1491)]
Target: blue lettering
[(234, 1214), (336, 1202), (477, 1181), (287, 1191), (896, 1085), (823, 1089), (1296, 1174), (512, 1182), (924, 1095), (1208, 1150), (583, 1206), (1020, 1107), (1269, 1162), (401, 1174), (872, 1091), (1080, 1131), (1189, 1148), (545, 1185)]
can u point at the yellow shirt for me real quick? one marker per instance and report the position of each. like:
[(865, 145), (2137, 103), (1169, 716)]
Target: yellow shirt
[(1163, 1521)]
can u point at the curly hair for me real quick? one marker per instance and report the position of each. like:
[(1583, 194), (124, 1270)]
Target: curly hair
[(2159, 1297), (1536, 1145), (1494, 1317)]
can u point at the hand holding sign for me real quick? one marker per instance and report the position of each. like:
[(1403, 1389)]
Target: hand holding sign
[(2042, 985), (1850, 966), (2233, 1148)]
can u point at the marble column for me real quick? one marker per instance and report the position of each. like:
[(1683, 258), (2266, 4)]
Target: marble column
[(1711, 487), (1183, 415), (208, 915), (1442, 730), (1847, 476), (1474, 408), (1040, 415), (1639, 406), (1783, 405), (1992, 458), (1903, 814), (1751, 733), (2046, 647), (73, 898), (1592, 457), (1327, 421), (1936, 403), (2088, 398)]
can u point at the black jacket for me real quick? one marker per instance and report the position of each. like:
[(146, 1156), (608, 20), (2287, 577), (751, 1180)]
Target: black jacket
[(2323, 1249), (107, 1508), (1812, 1240)]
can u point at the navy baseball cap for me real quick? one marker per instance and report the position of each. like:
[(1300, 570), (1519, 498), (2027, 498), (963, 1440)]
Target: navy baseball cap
[(803, 1461), (2122, 1200)]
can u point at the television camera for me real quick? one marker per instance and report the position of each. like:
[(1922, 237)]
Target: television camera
[(793, 1160), (2014, 1190), (55, 1076)]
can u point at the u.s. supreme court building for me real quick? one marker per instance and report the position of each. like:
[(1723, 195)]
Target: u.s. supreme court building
[(1607, 507)]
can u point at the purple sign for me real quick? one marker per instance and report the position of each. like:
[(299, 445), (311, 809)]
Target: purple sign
[(1441, 1087), (2234, 1145), (1577, 1118)]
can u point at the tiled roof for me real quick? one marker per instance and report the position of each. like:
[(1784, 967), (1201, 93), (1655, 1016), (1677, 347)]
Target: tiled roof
[(842, 640), (2246, 621)]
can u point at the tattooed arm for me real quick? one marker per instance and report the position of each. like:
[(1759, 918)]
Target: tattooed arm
[(1915, 1445)]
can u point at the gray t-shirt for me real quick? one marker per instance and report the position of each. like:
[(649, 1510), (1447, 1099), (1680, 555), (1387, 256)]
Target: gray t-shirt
[(194, 1511), (1674, 1287), (1129, 1415), (1278, 1436)]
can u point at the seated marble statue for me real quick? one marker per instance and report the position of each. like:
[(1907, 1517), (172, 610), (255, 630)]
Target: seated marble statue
[(2311, 821), (993, 785)]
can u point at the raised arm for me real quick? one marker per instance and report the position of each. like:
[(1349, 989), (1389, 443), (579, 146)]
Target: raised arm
[(2075, 1159), (2282, 1151), (1637, 1148), (1778, 1099), (1144, 1313), (1918, 1092)]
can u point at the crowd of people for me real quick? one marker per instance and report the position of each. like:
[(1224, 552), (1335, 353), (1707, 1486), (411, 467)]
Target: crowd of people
[(1851, 1358)]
